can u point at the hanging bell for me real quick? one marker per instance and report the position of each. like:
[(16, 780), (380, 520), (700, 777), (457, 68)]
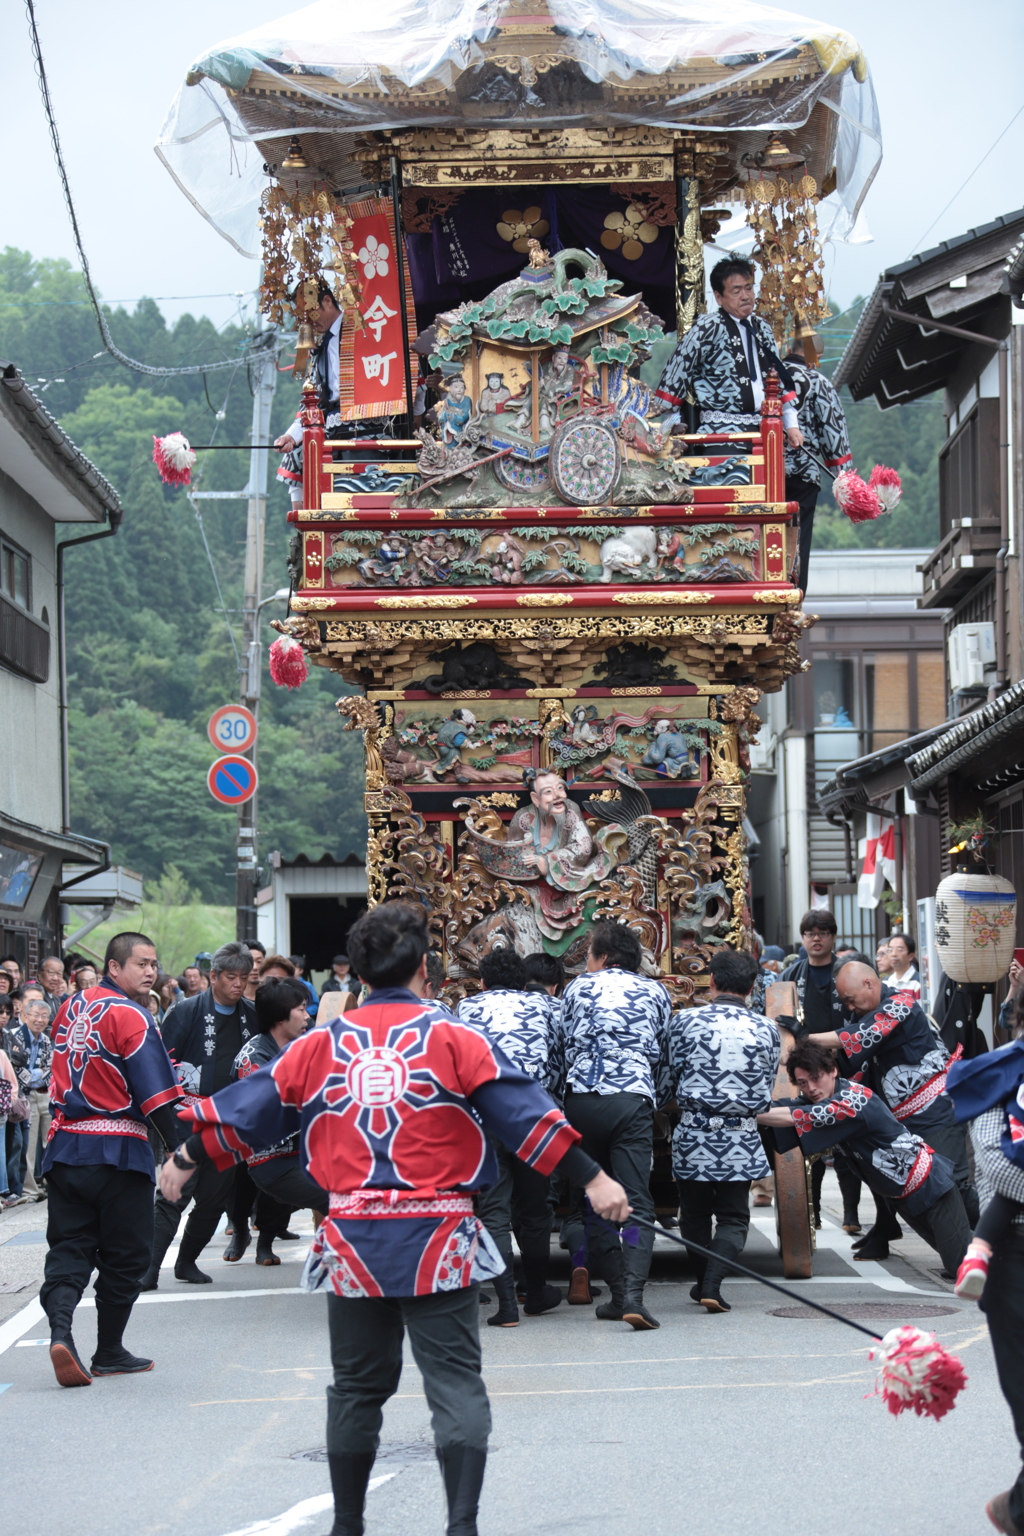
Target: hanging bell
[(294, 160), (306, 338)]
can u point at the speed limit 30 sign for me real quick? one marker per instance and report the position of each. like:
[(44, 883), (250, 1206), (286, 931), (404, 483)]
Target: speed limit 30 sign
[(232, 728)]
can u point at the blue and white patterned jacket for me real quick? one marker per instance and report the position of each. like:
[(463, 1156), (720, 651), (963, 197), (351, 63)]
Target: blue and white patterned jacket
[(525, 1026), (710, 364), (723, 1061), (615, 1034)]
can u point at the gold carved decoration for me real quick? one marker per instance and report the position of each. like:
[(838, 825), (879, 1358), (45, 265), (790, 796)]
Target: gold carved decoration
[(776, 597), (312, 604), (544, 600), (444, 601), (499, 797), (407, 860), (364, 716), (690, 301), (641, 598)]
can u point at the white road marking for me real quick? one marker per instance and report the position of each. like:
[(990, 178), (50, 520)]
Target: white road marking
[(15, 1327), (292, 1519), (832, 1239)]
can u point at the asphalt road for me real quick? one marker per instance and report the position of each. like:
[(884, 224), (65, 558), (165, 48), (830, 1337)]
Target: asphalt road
[(723, 1425)]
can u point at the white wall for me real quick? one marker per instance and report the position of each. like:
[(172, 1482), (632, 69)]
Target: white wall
[(29, 712)]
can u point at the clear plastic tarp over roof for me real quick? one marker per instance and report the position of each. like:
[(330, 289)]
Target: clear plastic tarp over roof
[(714, 66)]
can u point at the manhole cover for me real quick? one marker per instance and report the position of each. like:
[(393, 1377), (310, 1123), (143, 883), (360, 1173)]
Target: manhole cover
[(884, 1311), (415, 1450)]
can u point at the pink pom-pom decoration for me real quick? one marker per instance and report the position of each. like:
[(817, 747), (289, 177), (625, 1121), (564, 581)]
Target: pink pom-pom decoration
[(856, 499), (174, 457), (288, 663), (886, 485), (916, 1372)]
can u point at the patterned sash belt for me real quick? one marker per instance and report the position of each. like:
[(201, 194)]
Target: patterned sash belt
[(927, 1093), (366, 1204), (700, 1117), (98, 1125), (919, 1172)]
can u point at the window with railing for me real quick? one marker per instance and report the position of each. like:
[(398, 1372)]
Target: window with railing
[(24, 642), (969, 468), (15, 574)]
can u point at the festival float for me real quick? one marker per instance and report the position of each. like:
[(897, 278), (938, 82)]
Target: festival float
[(527, 570)]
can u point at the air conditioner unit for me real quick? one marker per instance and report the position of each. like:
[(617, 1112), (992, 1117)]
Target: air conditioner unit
[(972, 653)]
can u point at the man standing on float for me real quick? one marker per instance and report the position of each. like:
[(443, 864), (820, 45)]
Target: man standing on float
[(722, 360), (393, 1103)]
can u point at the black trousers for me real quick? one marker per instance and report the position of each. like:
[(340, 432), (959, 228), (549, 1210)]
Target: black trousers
[(1003, 1306), (212, 1190), (951, 1141), (366, 1353), (805, 493), (291, 1189), (945, 1226), (618, 1132), (248, 1198), (849, 1184), (729, 1205), (529, 1189), (101, 1218)]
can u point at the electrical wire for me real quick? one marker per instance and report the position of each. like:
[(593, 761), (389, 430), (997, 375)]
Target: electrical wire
[(920, 241), (108, 340)]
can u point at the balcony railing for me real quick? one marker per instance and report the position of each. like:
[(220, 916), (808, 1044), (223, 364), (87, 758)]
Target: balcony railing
[(966, 553), (24, 642)]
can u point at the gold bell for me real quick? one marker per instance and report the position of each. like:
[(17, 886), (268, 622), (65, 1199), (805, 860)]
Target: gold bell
[(294, 160)]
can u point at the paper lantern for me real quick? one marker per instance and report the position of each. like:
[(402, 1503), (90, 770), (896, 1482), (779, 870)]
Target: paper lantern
[(975, 926)]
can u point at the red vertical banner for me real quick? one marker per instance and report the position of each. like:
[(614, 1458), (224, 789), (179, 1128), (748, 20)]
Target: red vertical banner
[(372, 372), (313, 559)]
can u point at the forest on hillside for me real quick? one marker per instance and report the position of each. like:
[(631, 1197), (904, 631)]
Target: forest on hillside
[(149, 654), (149, 650)]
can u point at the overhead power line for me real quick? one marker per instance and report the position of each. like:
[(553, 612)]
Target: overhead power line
[(108, 340), (920, 241)]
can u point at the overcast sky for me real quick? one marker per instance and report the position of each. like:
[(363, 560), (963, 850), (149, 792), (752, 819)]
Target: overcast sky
[(947, 74)]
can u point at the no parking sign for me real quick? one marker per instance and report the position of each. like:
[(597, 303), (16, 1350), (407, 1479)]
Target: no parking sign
[(232, 780)]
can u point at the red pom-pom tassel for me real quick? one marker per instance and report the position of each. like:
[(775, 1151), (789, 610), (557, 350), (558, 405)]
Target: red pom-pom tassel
[(174, 457), (886, 485), (917, 1373), (858, 502), (288, 663)]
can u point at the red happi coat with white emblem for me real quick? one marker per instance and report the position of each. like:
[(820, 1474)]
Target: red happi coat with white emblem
[(110, 1070), (392, 1104)]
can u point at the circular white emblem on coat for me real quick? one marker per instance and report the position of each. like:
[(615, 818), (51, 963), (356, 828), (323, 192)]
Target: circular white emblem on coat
[(377, 1076)]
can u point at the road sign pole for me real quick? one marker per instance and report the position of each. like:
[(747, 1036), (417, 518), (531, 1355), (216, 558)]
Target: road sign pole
[(246, 869)]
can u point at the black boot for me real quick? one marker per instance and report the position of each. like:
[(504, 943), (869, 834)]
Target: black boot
[(636, 1263), (237, 1243), (610, 1311), (507, 1315), (265, 1250), (462, 1467), (186, 1267), (350, 1473), (165, 1227), (60, 1304), (111, 1357), (539, 1296), (710, 1293)]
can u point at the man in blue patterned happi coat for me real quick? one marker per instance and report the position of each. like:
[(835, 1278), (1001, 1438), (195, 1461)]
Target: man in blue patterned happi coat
[(524, 1026), (723, 359), (614, 1040), (723, 1060)]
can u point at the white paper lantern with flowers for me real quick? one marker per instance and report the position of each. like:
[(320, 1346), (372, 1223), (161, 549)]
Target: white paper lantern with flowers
[(975, 927)]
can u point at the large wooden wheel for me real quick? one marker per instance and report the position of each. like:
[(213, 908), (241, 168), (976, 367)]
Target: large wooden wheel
[(585, 460), (793, 1224)]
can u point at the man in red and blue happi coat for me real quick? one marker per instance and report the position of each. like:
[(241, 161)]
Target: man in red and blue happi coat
[(111, 1080), (393, 1104)]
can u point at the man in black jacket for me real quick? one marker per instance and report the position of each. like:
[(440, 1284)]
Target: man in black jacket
[(204, 1034)]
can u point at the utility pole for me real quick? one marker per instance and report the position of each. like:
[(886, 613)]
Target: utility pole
[(252, 652)]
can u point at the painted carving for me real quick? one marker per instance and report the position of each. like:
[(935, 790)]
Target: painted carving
[(571, 555)]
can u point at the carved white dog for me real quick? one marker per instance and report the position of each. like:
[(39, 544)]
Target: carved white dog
[(626, 553)]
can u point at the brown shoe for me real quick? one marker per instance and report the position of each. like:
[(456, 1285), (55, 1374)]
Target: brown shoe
[(998, 1511), (67, 1367), (579, 1288)]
